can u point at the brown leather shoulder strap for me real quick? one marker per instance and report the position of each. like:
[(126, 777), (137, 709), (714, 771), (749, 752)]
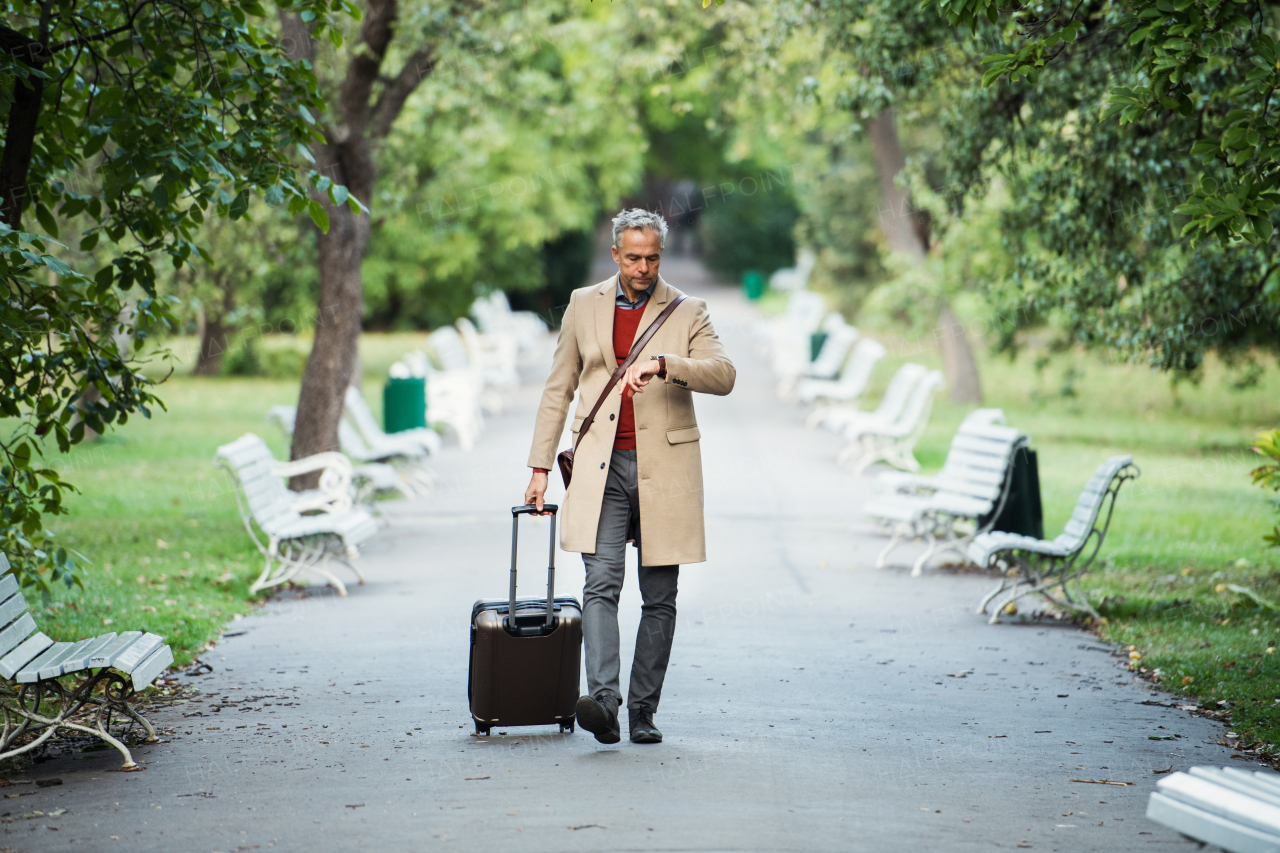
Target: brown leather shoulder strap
[(627, 362)]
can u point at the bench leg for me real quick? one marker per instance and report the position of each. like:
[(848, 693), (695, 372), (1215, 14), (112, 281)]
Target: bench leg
[(898, 534), (986, 599), (918, 568), (322, 570)]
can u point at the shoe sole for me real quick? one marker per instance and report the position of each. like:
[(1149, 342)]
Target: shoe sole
[(593, 718), (646, 738)]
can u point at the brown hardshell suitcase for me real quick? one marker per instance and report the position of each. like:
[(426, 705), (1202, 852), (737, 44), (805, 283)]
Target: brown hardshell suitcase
[(524, 671)]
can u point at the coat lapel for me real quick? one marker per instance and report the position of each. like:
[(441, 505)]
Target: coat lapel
[(604, 299)]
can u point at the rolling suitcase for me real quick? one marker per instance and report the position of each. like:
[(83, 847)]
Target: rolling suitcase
[(524, 670)]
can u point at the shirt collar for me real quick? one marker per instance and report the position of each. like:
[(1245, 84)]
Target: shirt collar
[(620, 298)]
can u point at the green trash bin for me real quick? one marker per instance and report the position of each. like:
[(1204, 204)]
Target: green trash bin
[(404, 404), (816, 341), (753, 284)]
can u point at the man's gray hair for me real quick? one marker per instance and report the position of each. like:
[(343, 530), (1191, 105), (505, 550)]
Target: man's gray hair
[(639, 219)]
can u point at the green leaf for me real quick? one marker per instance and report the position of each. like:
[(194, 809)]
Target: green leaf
[(240, 205), (318, 215), (22, 456), (338, 194), (1262, 226), (89, 241), (160, 196), (46, 219), (274, 196)]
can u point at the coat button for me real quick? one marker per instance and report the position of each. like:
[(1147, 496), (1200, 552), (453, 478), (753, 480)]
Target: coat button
[(602, 465), (610, 417)]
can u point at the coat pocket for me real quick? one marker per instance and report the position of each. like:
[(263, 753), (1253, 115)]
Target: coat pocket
[(683, 435), (577, 424)]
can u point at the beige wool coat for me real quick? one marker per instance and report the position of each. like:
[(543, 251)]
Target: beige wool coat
[(668, 454)]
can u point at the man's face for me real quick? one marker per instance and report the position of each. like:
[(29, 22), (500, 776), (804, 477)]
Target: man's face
[(639, 257)]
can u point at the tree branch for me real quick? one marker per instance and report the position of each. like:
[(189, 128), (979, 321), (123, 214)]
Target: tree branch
[(396, 91)]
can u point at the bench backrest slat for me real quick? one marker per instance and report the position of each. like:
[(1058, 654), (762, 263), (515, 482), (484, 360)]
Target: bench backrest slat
[(108, 654), (12, 607), (268, 497), (25, 652), (857, 370), (8, 583), (899, 391), (16, 633), (919, 403)]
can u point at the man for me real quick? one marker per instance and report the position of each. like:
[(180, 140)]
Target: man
[(638, 470)]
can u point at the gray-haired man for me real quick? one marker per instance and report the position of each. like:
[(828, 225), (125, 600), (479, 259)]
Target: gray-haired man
[(638, 470)]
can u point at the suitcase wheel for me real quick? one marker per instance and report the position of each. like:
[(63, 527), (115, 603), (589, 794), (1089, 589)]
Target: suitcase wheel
[(482, 730), (567, 727)]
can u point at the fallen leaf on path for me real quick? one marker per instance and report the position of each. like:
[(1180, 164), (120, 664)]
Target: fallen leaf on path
[(475, 778), (590, 826), (48, 783), (961, 674), (1166, 770), (355, 805), (1099, 781)]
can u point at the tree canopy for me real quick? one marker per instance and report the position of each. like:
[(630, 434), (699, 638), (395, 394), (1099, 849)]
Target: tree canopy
[(126, 125)]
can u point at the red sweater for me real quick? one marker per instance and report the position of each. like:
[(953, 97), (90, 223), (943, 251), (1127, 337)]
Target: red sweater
[(625, 323)]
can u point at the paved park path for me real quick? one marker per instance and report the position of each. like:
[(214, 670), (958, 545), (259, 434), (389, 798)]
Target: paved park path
[(813, 702)]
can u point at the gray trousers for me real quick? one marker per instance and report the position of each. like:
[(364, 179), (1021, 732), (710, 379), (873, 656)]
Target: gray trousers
[(620, 521)]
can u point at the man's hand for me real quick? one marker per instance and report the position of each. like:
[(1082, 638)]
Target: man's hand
[(637, 376), (537, 490)]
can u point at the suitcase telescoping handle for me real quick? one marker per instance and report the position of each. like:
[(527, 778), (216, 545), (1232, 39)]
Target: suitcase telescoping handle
[(516, 512)]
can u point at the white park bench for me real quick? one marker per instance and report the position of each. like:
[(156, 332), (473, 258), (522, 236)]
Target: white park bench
[(840, 418), (1041, 566), (973, 484), (795, 278), (372, 477), (497, 355), (1229, 807), (453, 396), (894, 441), (296, 542), (447, 346), (494, 315), (848, 387), (830, 359), (70, 686), (787, 338), (410, 439)]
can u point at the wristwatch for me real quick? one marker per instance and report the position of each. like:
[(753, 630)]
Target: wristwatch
[(662, 365)]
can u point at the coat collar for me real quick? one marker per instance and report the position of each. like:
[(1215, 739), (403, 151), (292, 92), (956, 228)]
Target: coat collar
[(604, 307)]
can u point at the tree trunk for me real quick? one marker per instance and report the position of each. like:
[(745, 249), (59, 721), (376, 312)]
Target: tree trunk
[(213, 343), (333, 354), (20, 134), (907, 232), (346, 158)]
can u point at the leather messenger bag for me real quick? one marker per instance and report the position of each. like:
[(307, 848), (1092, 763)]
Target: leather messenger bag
[(565, 459)]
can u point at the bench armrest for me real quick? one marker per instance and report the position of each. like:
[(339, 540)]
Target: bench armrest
[(334, 491)]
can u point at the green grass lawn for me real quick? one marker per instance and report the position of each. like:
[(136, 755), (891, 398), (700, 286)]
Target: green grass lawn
[(159, 521), (170, 554)]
